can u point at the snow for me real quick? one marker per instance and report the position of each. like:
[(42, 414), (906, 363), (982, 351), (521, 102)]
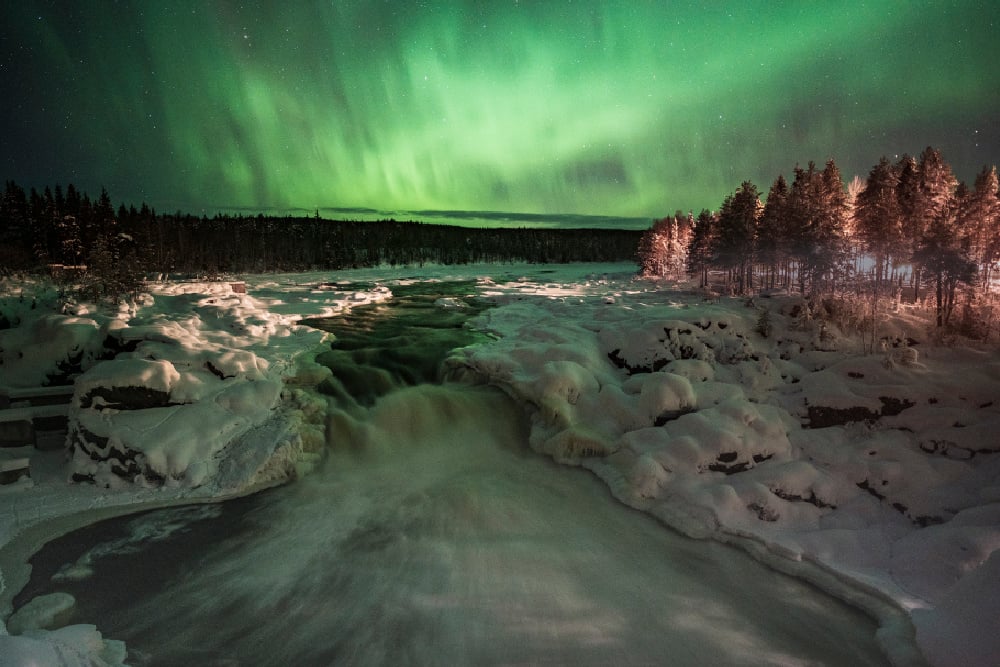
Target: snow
[(42, 613), (706, 426), (880, 471), (69, 646), (961, 630), (199, 402)]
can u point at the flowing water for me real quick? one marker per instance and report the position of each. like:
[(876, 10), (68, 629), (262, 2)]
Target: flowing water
[(433, 536)]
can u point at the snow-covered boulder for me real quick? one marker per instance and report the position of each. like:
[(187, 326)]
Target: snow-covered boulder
[(71, 646), (45, 612), (187, 393), (50, 348)]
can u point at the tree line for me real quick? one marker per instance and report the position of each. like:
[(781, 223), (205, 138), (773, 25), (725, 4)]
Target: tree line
[(910, 230), (57, 227)]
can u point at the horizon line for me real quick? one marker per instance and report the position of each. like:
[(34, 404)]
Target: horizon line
[(452, 216)]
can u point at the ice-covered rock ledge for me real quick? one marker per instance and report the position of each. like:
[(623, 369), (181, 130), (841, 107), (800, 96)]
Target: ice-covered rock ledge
[(874, 476)]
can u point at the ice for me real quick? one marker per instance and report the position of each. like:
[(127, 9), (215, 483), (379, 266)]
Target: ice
[(962, 628), (45, 612), (849, 496), (891, 489), (432, 535), (71, 646)]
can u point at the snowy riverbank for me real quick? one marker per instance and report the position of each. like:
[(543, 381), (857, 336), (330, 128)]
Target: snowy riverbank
[(189, 395), (883, 470), (877, 470)]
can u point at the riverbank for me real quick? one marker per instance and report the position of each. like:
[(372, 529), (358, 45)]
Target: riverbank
[(681, 406), (879, 470)]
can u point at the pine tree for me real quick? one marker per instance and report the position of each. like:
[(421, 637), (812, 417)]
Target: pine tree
[(937, 184), (737, 232), (924, 201), (683, 228), (877, 217), (805, 203), (980, 219), (852, 242), (943, 252), (15, 231), (699, 252), (773, 234), (71, 248), (655, 249), (828, 230)]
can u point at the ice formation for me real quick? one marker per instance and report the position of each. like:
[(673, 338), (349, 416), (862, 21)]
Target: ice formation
[(883, 469)]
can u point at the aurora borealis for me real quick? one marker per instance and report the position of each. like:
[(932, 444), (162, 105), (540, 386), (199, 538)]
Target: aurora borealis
[(630, 109)]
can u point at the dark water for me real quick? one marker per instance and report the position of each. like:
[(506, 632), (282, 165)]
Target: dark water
[(432, 536), (398, 343)]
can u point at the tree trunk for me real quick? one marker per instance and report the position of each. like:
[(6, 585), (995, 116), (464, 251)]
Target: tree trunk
[(939, 285)]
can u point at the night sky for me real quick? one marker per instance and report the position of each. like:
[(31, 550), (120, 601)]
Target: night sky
[(630, 109)]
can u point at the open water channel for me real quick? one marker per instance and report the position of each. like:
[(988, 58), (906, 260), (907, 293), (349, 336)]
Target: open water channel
[(432, 535)]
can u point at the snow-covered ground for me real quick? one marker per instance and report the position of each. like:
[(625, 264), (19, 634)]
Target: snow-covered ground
[(880, 472), (189, 395)]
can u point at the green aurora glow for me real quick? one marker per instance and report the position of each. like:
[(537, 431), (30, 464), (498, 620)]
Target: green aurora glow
[(629, 108)]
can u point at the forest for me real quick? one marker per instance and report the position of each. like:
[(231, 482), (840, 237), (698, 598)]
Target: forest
[(112, 251), (909, 232)]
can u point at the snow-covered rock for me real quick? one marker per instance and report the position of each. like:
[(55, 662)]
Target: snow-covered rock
[(71, 646), (881, 468)]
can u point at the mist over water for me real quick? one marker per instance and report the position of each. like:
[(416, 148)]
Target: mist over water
[(433, 535)]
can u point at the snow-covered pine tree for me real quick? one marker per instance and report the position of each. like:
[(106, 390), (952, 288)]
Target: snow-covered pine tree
[(663, 247), (654, 249)]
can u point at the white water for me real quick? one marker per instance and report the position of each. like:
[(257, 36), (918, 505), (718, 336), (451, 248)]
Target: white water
[(434, 537)]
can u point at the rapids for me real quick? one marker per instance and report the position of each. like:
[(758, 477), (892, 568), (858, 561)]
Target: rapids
[(432, 535)]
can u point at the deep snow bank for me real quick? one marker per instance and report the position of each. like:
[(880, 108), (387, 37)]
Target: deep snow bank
[(883, 468)]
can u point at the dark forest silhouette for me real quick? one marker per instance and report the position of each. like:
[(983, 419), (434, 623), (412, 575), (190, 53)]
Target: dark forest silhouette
[(39, 230)]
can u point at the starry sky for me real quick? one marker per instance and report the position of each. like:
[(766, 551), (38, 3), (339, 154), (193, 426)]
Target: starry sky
[(627, 110)]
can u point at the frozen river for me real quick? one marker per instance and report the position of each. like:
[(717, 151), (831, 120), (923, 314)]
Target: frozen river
[(432, 535)]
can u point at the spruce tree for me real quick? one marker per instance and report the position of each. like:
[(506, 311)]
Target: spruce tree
[(700, 248), (934, 189), (943, 253), (655, 249), (980, 219), (805, 202), (878, 216), (773, 233), (737, 233), (827, 234), (877, 219)]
